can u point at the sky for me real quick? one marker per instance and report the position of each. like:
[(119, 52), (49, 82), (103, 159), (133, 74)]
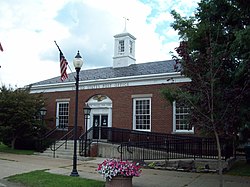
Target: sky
[(28, 29)]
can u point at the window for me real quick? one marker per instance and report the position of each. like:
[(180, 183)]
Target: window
[(180, 119), (62, 115), (142, 114), (121, 47), (130, 47)]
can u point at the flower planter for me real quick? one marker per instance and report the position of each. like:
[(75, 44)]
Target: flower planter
[(119, 173), (119, 181)]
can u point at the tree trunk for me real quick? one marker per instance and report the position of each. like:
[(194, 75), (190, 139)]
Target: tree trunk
[(221, 184), (13, 142)]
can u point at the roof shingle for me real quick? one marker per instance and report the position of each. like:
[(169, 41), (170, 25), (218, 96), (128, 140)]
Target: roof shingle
[(148, 68)]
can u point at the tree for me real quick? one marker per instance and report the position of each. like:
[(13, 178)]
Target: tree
[(19, 113), (214, 53)]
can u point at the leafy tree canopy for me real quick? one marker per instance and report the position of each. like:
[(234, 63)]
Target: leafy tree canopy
[(19, 113), (215, 52)]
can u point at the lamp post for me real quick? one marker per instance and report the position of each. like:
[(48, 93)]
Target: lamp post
[(86, 111), (78, 64), (43, 112)]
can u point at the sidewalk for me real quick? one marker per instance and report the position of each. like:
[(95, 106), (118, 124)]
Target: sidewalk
[(12, 164)]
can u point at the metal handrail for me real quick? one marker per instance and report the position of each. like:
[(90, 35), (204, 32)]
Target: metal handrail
[(50, 133), (54, 148), (41, 140), (83, 134), (204, 148), (82, 139), (171, 144)]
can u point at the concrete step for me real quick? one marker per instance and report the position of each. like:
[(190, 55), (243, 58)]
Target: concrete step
[(61, 152)]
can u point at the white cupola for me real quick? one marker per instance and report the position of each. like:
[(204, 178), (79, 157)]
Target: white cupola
[(124, 50)]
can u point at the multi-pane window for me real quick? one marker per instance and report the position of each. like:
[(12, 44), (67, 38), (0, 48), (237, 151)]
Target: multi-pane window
[(142, 114), (181, 114), (62, 118), (121, 47)]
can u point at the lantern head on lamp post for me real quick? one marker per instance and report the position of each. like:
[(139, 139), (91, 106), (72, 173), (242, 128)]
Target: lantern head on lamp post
[(43, 112), (78, 62), (86, 111)]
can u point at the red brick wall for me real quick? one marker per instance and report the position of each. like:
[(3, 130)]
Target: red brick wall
[(122, 109)]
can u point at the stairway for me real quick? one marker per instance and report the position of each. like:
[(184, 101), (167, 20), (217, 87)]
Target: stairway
[(103, 149), (64, 151)]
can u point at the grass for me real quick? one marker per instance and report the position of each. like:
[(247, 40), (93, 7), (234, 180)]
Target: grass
[(240, 168), (41, 178), (6, 149)]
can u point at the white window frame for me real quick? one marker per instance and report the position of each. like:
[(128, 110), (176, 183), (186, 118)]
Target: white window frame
[(134, 113), (191, 131), (121, 47), (130, 46), (57, 114)]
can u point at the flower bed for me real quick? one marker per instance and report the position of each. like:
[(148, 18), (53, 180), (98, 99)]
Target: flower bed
[(111, 167)]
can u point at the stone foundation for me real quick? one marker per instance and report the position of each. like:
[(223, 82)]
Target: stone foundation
[(198, 165)]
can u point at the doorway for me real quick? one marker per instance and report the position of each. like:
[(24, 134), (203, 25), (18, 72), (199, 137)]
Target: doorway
[(100, 124), (100, 116)]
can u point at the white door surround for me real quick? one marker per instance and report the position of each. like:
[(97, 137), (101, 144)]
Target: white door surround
[(100, 105)]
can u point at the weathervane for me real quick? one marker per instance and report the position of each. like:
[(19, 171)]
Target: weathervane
[(125, 27)]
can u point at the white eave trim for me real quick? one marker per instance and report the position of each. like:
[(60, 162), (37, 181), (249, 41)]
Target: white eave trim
[(152, 79)]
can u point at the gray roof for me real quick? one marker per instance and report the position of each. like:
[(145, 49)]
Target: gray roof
[(148, 68)]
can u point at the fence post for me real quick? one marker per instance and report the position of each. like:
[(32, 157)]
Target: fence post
[(194, 144), (54, 151), (66, 142), (121, 151), (167, 149), (201, 143), (122, 137)]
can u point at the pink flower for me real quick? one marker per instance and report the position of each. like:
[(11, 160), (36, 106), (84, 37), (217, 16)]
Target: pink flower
[(111, 167)]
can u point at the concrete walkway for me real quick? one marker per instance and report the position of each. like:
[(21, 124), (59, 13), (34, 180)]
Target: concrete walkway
[(11, 164)]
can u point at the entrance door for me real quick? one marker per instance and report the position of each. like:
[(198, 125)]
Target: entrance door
[(100, 121)]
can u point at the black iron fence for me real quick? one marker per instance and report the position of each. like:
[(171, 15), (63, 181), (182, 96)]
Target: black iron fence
[(204, 148), (156, 146), (117, 135)]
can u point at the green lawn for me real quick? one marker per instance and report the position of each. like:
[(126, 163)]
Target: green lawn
[(240, 168), (42, 178), (6, 149)]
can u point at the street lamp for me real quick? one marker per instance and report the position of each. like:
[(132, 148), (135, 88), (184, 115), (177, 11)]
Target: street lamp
[(43, 112), (86, 110), (78, 64)]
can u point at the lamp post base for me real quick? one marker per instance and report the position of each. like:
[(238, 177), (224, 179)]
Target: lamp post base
[(74, 173)]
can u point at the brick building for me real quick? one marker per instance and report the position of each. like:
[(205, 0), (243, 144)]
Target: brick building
[(126, 95)]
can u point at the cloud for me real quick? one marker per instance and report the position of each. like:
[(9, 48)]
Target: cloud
[(28, 29)]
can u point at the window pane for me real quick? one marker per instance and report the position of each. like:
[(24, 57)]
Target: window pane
[(181, 116), (63, 114), (130, 46), (121, 46), (142, 114)]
